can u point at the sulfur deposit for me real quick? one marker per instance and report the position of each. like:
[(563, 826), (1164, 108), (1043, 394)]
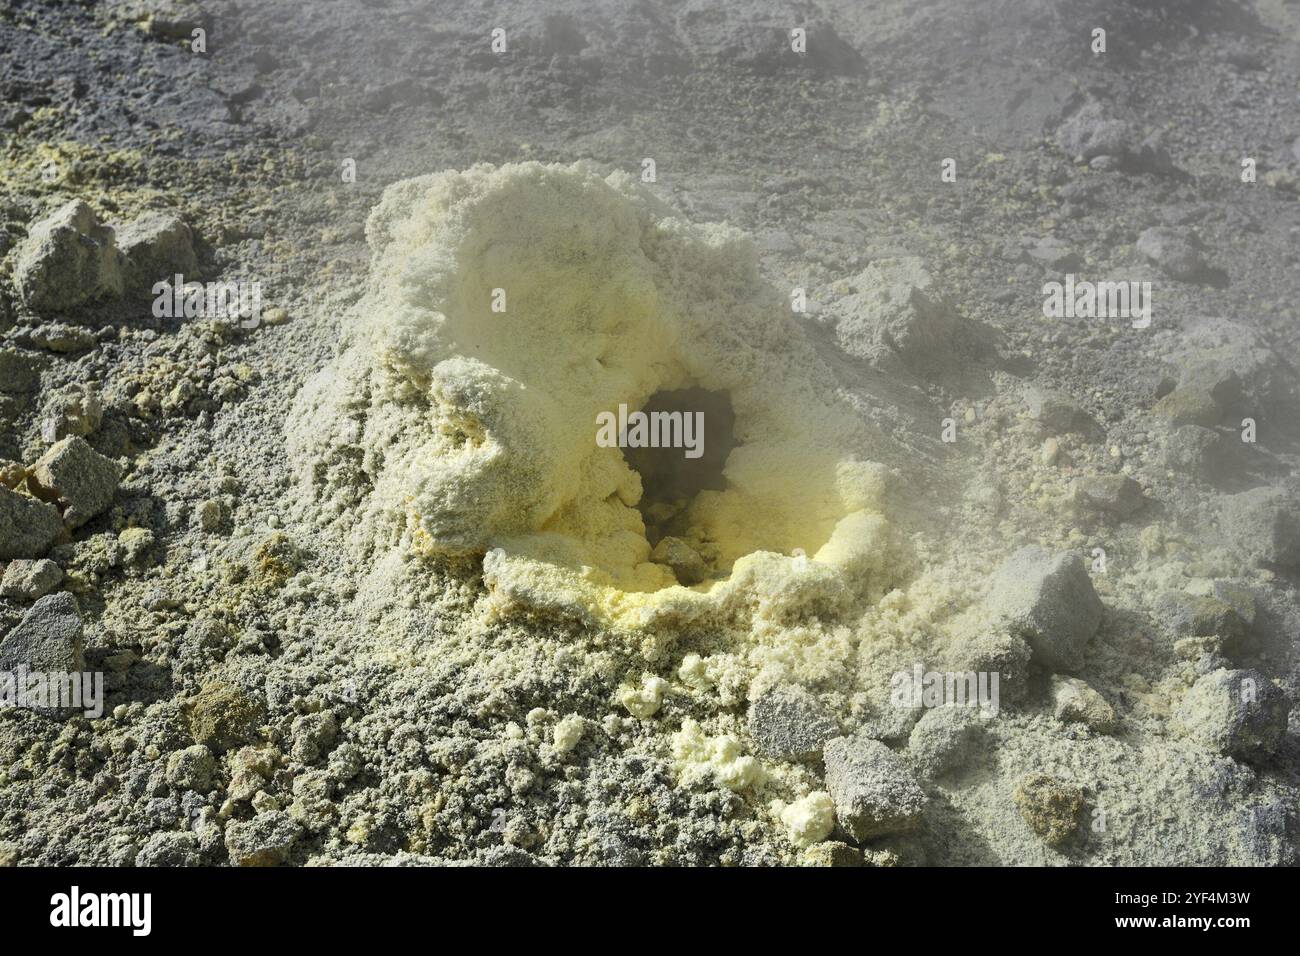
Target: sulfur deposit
[(508, 310), (933, 575)]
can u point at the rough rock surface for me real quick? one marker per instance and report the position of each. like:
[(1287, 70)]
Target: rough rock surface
[(1074, 701), (1052, 807), (48, 638), (80, 480), (1264, 523), (945, 739), (156, 246), (27, 527), (1240, 713), (68, 258), (1049, 600), (788, 723), (28, 580), (874, 792)]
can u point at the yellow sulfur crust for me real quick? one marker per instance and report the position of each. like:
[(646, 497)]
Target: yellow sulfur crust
[(459, 429)]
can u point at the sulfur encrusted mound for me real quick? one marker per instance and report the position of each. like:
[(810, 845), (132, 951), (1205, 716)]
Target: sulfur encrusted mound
[(510, 306)]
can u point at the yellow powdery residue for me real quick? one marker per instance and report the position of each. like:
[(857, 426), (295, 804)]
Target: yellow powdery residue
[(567, 733), (510, 306), (643, 701), (809, 819), (721, 760)]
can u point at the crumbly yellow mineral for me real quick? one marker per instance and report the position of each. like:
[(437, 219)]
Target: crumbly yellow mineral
[(510, 308)]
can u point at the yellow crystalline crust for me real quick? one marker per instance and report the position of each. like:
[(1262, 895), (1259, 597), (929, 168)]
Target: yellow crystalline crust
[(476, 427)]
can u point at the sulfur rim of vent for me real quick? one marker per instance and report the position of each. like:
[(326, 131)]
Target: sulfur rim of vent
[(445, 429)]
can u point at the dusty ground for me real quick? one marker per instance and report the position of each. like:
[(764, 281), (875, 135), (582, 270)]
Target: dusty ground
[(369, 714)]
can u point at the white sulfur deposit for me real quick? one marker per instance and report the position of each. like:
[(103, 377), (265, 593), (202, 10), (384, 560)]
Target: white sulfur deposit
[(508, 309), (809, 819)]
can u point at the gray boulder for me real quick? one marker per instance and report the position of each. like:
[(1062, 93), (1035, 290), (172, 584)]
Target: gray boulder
[(895, 318), (29, 580), (265, 840), (1076, 702), (945, 739), (27, 527), (1047, 599), (1089, 133), (47, 639), (1240, 713), (874, 792), (1263, 524), (788, 723), (78, 479), (1175, 251), (157, 245), (20, 373), (67, 259), (1118, 496)]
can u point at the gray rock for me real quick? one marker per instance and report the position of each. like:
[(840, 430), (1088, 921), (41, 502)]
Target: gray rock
[(997, 651), (20, 374), (1236, 364), (1263, 524), (156, 246), (173, 849), (1047, 599), (1198, 452), (1190, 615), (1268, 833), (1240, 599), (945, 739), (1240, 713), (80, 480), (895, 317), (1089, 133), (1117, 495), (788, 723), (29, 580), (313, 736), (890, 724), (874, 792), (61, 337), (67, 259), (265, 840), (1208, 373), (174, 19), (76, 412), (27, 527), (193, 768), (1075, 701), (1175, 251), (686, 563), (1189, 405), (47, 639), (1057, 412)]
